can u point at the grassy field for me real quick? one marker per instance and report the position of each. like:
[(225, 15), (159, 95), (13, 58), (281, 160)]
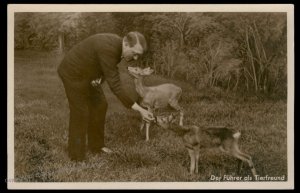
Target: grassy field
[(41, 122)]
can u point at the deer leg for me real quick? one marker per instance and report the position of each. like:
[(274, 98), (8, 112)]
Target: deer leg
[(240, 165), (249, 159), (235, 152), (246, 158), (181, 118), (148, 125), (192, 156), (147, 131), (176, 106), (142, 125)]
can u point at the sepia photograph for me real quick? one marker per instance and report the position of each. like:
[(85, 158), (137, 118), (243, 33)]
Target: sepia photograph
[(150, 96)]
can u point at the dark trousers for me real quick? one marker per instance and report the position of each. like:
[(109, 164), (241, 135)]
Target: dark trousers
[(88, 108)]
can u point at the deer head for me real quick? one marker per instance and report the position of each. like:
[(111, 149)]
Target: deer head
[(166, 120), (138, 72)]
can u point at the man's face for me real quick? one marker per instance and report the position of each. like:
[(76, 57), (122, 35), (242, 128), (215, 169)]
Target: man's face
[(132, 52)]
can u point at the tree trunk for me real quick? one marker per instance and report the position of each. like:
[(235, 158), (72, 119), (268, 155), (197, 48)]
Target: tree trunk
[(61, 44), (181, 40)]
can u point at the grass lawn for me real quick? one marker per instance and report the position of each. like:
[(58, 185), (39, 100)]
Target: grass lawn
[(41, 130)]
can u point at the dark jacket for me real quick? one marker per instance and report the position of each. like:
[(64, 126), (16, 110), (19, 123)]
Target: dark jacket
[(95, 57)]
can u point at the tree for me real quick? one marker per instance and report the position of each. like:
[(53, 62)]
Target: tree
[(50, 29), (23, 30)]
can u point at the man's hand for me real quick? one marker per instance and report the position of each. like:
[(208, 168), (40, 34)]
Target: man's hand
[(96, 83), (147, 116)]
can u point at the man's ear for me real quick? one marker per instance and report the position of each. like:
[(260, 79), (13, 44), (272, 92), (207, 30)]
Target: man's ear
[(126, 43)]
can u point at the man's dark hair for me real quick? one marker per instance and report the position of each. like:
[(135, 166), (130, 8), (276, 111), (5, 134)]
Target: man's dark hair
[(133, 37)]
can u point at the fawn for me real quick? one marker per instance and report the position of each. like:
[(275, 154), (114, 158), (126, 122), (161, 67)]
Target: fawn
[(195, 138), (155, 97)]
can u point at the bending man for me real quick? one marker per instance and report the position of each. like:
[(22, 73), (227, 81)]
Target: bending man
[(94, 57)]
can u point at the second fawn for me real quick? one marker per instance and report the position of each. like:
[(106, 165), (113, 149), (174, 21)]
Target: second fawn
[(194, 138)]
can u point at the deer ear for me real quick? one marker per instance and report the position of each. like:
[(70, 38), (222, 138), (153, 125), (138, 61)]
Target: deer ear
[(143, 71)]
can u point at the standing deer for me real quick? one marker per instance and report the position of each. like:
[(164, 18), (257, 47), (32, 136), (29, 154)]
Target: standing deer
[(195, 138), (155, 97)]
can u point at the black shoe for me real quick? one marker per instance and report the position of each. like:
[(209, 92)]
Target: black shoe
[(105, 150), (77, 157)]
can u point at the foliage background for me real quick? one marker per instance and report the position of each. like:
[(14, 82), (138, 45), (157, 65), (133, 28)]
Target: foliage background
[(239, 52)]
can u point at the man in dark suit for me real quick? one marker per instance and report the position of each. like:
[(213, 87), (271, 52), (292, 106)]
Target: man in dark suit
[(97, 56)]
